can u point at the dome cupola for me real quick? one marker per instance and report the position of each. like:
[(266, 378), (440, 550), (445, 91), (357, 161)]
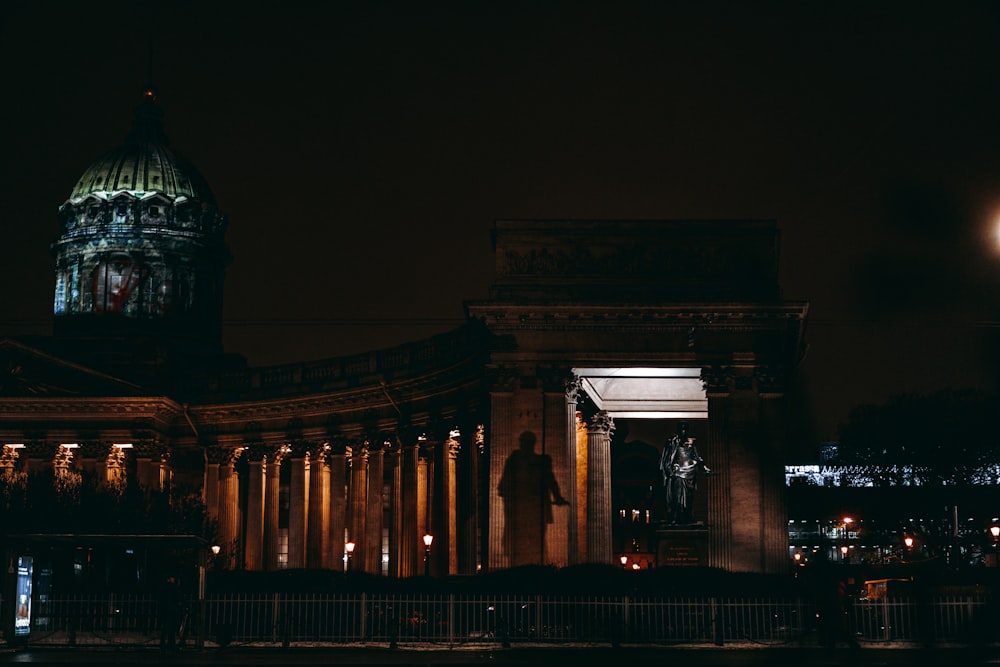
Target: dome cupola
[(141, 248)]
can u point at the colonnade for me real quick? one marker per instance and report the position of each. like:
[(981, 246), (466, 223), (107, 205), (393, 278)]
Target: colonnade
[(296, 505)]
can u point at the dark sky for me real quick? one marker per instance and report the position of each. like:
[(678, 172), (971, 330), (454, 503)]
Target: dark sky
[(362, 151)]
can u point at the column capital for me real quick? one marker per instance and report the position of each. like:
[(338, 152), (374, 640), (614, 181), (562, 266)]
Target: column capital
[(718, 380), (256, 452), (148, 449), (9, 456), (601, 422), (505, 379), (554, 378), (480, 437), (453, 444), (223, 455), (574, 387), (770, 380), (338, 445)]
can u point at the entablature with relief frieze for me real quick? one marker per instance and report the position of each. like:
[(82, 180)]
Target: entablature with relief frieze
[(502, 317)]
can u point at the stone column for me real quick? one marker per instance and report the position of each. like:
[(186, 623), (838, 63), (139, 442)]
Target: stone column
[(213, 458), (229, 509), (554, 430), (431, 502), (357, 512), (105, 464), (373, 520), (411, 525), (577, 500), (770, 386), (272, 507), (469, 504), (599, 488), (449, 497), (147, 469), (319, 506), (298, 510), (501, 444), (395, 476), (338, 504), (253, 540), (210, 489)]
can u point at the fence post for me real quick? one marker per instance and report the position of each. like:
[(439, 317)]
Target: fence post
[(625, 619), (451, 620), (393, 625), (286, 629), (717, 629), (364, 616)]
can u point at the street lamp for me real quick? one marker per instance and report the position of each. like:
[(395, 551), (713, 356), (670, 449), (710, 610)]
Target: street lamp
[(428, 539), (995, 532), (216, 561), (843, 553), (624, 560), (349, 548)]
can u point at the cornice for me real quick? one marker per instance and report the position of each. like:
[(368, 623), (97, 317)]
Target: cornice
[(91, 408), (385, 397)]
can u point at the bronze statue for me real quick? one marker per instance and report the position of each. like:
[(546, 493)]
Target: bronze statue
[(680, 463)]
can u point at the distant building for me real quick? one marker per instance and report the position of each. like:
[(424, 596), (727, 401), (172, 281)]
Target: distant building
[(885, 516), (497, 439)]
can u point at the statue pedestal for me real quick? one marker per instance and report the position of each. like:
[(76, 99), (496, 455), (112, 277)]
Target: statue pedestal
[(682, 545)]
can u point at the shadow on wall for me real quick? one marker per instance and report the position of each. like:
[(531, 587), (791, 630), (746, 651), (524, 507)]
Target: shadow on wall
[(529, 490)]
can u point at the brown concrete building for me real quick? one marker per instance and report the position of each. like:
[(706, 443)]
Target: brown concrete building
[(498, 439)]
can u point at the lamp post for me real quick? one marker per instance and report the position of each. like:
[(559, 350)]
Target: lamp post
[(349, 548), (624, 560), (843, 553), (428, 539), (995, 532)]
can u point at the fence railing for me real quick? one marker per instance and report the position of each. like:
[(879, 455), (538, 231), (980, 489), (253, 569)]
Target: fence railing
[(453, 621)]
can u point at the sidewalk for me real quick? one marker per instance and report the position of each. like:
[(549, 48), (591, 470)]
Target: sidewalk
[(577, 655)]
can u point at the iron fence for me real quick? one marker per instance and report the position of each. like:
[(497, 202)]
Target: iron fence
[(453, 621)]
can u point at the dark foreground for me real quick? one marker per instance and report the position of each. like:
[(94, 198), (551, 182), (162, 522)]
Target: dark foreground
[(576, 656)]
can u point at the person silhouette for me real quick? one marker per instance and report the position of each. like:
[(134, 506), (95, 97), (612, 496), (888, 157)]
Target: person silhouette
[(529, 489)]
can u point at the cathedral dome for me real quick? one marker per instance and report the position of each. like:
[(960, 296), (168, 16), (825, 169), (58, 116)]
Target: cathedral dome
[(141, 247), (143, 165)]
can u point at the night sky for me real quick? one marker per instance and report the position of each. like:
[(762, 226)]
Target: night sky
[(362, 151)]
